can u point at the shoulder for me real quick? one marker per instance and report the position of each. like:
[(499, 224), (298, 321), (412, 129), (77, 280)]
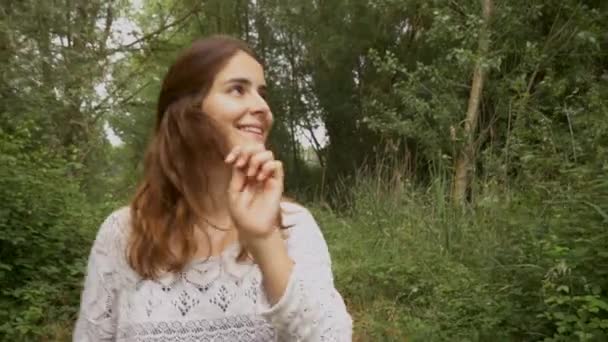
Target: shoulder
[(116, 223), (300, 223), (305, 241), (114, 231), (294, 214), (109, 250)]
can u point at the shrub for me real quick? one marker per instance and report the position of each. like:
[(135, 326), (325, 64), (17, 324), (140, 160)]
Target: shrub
[(46, 228)]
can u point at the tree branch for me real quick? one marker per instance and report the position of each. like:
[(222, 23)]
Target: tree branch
[(154, 34)]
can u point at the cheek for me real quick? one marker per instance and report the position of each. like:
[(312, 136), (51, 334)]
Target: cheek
[(224, 109)]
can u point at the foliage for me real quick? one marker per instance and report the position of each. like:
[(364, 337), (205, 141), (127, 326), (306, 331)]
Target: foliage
[(525, 259), (46, 227), (514, 267)]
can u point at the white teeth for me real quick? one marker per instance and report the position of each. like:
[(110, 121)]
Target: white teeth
[(252, 129)]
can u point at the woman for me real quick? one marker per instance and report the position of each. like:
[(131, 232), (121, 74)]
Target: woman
[(209, 250)]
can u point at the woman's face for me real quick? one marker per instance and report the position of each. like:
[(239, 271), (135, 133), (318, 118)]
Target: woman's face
[(236, 101)]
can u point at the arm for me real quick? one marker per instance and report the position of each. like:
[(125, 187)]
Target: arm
[(303, 302), (97, 316)]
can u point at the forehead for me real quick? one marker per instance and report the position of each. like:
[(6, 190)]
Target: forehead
[(242, 65)]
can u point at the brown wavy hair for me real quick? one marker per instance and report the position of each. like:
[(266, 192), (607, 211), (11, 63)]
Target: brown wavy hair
[(167, 204)]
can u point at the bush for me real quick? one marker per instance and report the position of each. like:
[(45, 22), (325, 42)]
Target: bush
[(46, 228), (523, 265)]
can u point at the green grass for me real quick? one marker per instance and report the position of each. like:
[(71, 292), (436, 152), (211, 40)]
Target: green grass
[(517, 266), (412, 267)]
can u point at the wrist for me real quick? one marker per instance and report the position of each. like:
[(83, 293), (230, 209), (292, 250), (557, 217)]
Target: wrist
[(261, 246), (270, 254)]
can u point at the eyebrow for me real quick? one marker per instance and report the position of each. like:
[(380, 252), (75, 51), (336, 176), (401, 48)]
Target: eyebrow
[(243, 81)]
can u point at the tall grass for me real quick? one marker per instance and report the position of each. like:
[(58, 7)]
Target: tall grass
[(413, 267), (530, 264)]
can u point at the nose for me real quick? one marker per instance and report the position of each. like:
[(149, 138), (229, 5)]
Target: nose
[(259, 105)]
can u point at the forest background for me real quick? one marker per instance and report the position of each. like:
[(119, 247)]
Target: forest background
[(454, 152)]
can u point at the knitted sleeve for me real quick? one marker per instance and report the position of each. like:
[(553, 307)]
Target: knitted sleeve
[(311, 309), (97, 317)]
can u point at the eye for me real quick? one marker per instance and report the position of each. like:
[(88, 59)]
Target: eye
[(263, 93), (237, 89)]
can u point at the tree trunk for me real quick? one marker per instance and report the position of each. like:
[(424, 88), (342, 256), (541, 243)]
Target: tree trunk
[(293, 104), (466, 159)]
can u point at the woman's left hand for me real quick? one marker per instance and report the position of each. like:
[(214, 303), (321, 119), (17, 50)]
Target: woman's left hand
[(255, 191)]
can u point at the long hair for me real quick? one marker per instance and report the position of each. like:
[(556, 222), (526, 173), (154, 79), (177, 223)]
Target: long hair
[(167, 204)]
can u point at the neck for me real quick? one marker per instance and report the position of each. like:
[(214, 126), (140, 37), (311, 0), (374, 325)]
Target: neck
[(215, 204)]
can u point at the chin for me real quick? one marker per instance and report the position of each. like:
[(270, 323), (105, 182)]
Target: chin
[(248, 139)]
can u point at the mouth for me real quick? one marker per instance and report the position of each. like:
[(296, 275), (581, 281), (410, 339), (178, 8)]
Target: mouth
[(252, 131)]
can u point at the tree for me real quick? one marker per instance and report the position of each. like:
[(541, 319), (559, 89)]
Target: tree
[(466, 159)]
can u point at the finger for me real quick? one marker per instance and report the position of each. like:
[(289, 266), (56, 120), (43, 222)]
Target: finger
[(258, 159), (278, 174), (246, 196), (272, 169), (247, 152), (231, 157), (265, 170), (237, 181)]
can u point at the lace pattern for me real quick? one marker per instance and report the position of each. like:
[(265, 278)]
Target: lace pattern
[(242, 328), (218, 299)]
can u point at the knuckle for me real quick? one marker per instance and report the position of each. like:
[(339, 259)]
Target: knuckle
[(257, 148), (263, 156), (259, 157)]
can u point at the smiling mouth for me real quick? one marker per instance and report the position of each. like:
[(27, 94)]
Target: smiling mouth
[(252, 131)]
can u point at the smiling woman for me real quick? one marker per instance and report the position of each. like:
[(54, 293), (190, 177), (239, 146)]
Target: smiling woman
[(237, 101), (209, 249)]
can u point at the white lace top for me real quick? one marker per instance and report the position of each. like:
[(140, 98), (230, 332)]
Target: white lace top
[(219, 299)]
